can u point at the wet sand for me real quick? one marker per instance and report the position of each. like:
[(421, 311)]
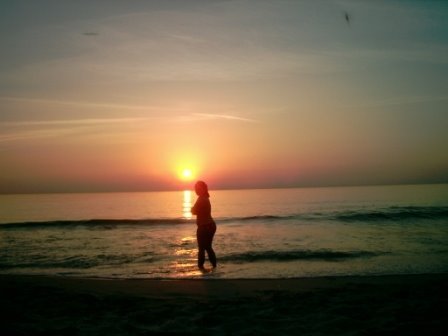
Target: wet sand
[(386, 305)]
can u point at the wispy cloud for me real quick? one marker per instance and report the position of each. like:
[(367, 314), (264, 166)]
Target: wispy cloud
[(71, 122), (223, 116), (419, 52), (404, 100), (79, 103), (42, 129), (198, 117), (36, 134)]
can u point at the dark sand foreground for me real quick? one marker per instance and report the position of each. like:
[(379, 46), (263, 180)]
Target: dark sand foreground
[(383, 305)]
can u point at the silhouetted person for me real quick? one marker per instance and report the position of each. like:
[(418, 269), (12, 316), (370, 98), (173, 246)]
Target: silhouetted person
[(206, 225)]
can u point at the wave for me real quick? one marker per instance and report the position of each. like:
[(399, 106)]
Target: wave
[(371, 215), (76, 262), (262, 218), (111, 223), (103, 223), (87, 262), (394, 214), (278, 256)]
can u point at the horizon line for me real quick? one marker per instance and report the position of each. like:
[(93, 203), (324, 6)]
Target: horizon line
[(228, 189)]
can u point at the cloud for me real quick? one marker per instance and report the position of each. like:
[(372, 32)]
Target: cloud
[(424, 53), (79, 103), (170, 45), (36, 134), (404, 100), (41, 129), (223, 116), (96, 121)]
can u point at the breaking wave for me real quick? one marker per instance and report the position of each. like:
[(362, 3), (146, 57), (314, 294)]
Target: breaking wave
[(74, 262), (278, 256), (394, 213)]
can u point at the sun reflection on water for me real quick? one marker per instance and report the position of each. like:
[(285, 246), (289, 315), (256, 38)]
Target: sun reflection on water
[(187, 204), (186, 251), (186, 264), (186, 247)]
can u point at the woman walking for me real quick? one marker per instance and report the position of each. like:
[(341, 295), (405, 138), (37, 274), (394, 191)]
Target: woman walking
[(206, 225)]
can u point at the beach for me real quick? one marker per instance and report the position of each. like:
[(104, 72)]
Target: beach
[(346, 305), (323, 261)]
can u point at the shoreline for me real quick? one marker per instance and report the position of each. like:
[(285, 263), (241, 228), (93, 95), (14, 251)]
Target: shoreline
[(214, 286), (381, 304)]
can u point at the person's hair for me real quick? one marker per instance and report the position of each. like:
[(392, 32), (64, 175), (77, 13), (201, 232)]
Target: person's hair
[(201, 188)]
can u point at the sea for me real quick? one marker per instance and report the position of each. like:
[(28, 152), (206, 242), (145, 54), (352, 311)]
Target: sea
[(263, 233)]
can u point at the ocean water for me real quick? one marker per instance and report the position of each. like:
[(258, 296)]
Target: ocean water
[(272, 233)]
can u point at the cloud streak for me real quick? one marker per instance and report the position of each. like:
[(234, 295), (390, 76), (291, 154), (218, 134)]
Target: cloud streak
[(396, 101), (41, 129), (210, 116), (36, 134), (79, 103), (97, 121)]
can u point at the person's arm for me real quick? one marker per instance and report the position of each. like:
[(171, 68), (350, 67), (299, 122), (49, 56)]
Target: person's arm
[(194, 209)]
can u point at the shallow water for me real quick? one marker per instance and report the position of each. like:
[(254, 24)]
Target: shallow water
[(272, 233)]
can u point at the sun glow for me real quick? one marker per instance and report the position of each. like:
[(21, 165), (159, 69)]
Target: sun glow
[(185, 169), (186, 174)]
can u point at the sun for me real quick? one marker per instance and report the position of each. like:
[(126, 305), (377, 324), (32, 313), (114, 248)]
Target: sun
[(185, 170), (186, 174)]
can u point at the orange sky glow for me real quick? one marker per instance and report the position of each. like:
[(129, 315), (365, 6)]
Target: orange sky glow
[(244, 94)]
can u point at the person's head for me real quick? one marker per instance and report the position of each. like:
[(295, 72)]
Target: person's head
[(201, 189)]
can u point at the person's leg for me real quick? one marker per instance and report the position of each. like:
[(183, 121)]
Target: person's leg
[(210, 252), (202, 240), (201, 257), (211, 256)]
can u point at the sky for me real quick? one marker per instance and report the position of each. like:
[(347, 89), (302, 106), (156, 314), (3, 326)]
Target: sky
[(99, 96)]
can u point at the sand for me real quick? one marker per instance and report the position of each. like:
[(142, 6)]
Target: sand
[(376, 305)]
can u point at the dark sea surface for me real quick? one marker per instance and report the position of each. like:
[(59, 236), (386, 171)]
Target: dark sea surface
[(269, 233)]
